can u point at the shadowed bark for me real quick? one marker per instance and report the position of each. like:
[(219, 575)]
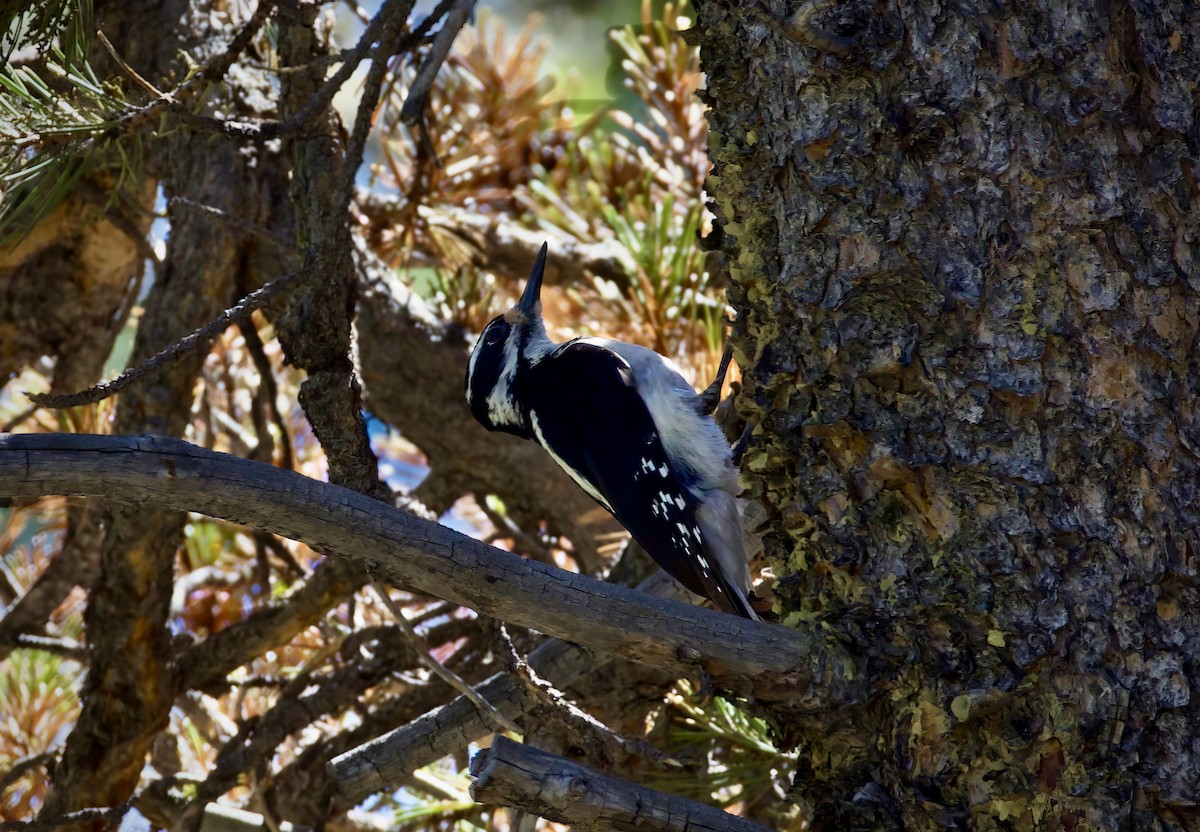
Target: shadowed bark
[(963, 241), (129, 689), (130, 686)]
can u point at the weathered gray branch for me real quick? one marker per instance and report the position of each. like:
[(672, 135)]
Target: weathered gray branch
[(387, 761), (552, 787), (798, 672)]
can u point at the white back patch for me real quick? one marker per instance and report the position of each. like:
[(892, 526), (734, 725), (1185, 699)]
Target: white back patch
[(687, 436)]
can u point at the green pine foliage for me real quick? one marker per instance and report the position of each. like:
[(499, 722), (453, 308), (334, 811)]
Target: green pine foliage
[(57, 117)]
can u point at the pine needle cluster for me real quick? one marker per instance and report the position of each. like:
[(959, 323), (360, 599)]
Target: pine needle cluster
[(630, 175), (57, 117)]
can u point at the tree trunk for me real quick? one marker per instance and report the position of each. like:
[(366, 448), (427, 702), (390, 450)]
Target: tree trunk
[(963, 245)]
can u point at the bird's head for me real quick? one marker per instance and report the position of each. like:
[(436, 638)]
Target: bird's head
[(508, 346)]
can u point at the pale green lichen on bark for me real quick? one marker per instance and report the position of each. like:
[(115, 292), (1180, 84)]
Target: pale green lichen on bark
[(963, 245)]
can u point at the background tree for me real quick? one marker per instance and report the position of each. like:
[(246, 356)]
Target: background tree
[(964, 253)]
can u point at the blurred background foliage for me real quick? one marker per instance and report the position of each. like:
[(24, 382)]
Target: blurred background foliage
[(510, 138), (578, 122)]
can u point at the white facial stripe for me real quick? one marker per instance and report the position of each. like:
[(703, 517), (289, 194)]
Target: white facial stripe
[(502, 409), (579, 480)]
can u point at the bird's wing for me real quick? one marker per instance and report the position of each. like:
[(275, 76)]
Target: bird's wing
[(588, 415)]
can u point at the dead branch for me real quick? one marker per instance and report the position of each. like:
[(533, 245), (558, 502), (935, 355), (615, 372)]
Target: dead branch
[(765, 662), (205, 666), (418, 93), (199, 338), (303, 785), (387, 761), (393, 13), (305, 699), (498, 720), (548, 700), (552, 787)]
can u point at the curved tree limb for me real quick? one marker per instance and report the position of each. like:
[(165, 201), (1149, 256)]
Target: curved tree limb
[(553, 787), (769, 663)]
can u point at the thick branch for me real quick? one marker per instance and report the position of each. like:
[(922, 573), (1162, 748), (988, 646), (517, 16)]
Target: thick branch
[(753, 659), (301, 787), (387, 761), (552, 787)]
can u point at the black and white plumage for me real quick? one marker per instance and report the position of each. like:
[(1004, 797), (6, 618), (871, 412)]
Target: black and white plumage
[(629, 430)]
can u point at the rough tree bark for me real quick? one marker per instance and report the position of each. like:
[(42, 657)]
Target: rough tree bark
[(964, 251)]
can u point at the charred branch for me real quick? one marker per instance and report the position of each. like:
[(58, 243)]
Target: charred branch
[(555, 788)]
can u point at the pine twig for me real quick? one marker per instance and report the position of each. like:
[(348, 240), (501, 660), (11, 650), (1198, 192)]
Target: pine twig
[(201, 337), (498, 720), (130, 71), (544, 692)]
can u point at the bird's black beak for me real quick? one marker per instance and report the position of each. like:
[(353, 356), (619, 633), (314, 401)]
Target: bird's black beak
[(533, 289)]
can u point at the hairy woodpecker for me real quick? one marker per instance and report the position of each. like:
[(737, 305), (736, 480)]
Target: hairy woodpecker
[(629, 430)]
